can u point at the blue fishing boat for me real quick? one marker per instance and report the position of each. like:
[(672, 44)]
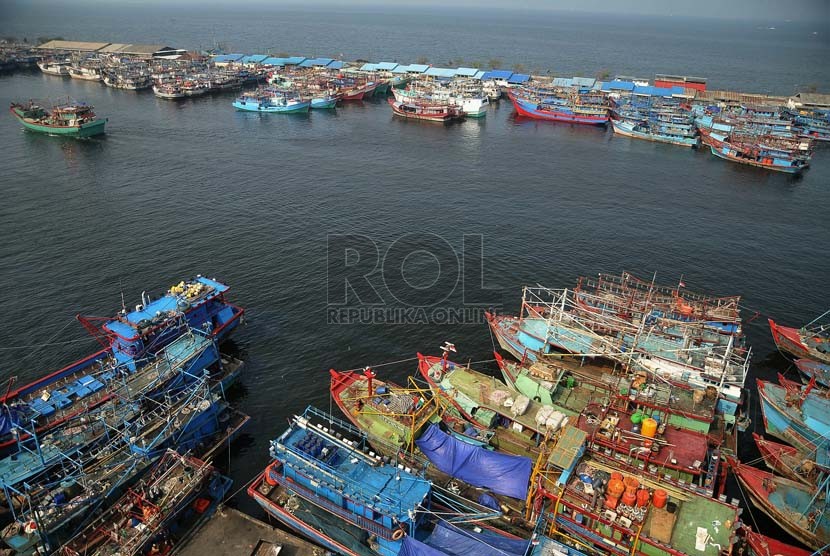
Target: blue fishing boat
[(323, 102), (55, 503), (129, 341), (179, 493), (328, 484), (814, 370), (797, 414), (273, 102), (685, 136)]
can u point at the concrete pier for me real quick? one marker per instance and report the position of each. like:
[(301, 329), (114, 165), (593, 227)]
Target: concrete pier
[(232, 533)]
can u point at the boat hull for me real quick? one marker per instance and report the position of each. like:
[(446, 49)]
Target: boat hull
[(323, 103), (299, 108), (682, 142), (529, 110), (788, 340), (724, 153), (85, 130)]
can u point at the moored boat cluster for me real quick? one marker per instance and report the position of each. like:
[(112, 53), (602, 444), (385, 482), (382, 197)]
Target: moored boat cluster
[(610, 431), (773, 133)]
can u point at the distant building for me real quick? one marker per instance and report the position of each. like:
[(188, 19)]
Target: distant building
[(667, 81), (809, 100), (117, 49)]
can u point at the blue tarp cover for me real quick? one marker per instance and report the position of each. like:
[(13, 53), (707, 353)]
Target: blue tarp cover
[(456, 542), (412, 547), (501, 473)]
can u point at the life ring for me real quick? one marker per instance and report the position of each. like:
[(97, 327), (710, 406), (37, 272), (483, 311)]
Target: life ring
[(398, 534)]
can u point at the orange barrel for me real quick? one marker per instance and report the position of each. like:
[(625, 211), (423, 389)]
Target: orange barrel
[(617, 475), (611, 503), (631, 485), (642, 498), (615, 488), (629, 498), (660, 497), (649, 427)]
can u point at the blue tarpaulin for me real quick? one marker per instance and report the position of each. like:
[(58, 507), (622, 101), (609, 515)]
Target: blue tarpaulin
[(457, 542), (412, 547), (501, 473)]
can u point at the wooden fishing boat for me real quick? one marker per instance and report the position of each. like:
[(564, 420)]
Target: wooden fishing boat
[(795, 413), (803, 511), (812, 341), (788, 461), (814, 370), (69, 120), (432, 112), (179, 493), (761, 545)]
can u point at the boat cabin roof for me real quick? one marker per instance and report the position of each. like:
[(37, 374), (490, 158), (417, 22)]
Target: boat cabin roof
[(127, 326), (389, 489)]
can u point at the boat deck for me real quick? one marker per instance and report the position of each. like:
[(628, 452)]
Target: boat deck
[(232, 533)]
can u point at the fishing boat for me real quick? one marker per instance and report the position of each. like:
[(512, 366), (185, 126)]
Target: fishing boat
[(69, 120), (272, 103), (128, 80), (54, 67), (87, 71), (796, 414), (557, 109), (326, 483), (765, 152), (195, 87), (323, 102), (178, 493), (171, 91), (811, 369), (639, 442), (420, 110), (811, 341), (790, 462), (674, 135), (193, 419), (404, 424), (801, 510), (554, 322), (128, 342), (762, 545)]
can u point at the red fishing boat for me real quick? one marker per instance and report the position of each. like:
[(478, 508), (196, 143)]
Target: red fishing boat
[(788, 461), (761, 545), (805, 342), (800, 510)]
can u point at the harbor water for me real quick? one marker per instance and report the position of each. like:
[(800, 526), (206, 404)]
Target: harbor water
[(180, 188)]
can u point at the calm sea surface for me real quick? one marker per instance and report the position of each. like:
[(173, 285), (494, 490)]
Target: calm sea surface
[(180, 188)]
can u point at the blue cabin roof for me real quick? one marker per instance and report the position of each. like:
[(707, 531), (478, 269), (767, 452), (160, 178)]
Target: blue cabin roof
[(386, 66), (518, 78), (127, 326), (650, 90), (253, 59), (273, 62), (466, 72), (228, 57), (321, 456), (401, 68), (294, 60), (336, 64), (440, 72), (315, 62), (369, 67), (497, 74), (417, 68), (479, 74), (618, 86)]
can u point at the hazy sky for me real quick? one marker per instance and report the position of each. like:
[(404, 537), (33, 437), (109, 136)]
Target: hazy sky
[(817, 11)]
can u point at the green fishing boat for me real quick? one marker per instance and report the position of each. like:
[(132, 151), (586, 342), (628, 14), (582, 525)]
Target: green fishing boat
[(71, 119)]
